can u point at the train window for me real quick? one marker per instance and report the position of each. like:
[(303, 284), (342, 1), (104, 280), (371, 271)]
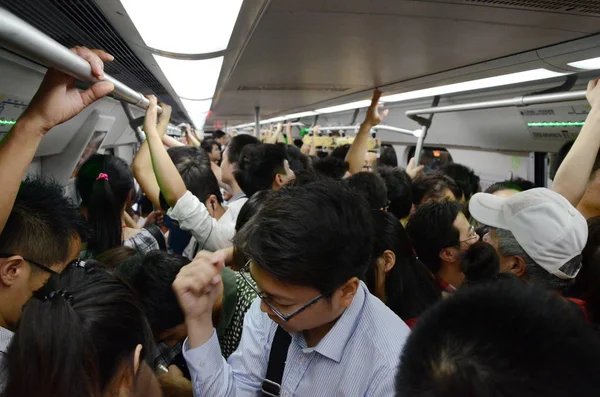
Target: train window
[(433, 158)]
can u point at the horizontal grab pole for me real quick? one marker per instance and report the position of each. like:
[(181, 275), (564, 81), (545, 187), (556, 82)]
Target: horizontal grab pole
[(23, 39), (502, 103)]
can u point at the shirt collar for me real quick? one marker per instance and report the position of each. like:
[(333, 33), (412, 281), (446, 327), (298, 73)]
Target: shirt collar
[(333, 344), (5, 338), (236, 197)]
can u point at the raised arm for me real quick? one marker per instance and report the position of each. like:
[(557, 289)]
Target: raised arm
[(167, 176), (142, 163), (574, 173), (288, 133), (56, 101), (191, 138), (356, 155)]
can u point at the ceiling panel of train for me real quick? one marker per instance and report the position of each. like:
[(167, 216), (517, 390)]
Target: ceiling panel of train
[(311, 52)]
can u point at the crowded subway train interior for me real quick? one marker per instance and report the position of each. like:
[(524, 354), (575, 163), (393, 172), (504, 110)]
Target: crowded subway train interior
[(299, 198)]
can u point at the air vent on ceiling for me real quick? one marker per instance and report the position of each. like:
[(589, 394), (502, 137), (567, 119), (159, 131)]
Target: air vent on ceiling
[(287, 87), (580, 7), (82, 23)]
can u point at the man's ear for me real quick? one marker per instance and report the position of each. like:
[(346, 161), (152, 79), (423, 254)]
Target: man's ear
[(348, 291), (278, 182), (389, 260), (449, 254), (211, 204), (516, 265), (11, 269)]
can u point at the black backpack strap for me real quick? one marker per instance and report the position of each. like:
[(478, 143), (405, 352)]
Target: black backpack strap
[(158, 236), (271, 386)]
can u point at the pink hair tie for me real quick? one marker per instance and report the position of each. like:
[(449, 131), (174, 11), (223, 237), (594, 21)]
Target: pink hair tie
[(102, 176)]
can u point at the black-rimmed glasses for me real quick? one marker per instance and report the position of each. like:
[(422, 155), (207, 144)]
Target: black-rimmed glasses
[(284, 317), (39, 265)]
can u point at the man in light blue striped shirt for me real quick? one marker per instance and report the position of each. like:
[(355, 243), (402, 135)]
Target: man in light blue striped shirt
[(309, 248)]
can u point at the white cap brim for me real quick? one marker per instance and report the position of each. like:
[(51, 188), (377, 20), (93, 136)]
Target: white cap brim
[(487, 209)]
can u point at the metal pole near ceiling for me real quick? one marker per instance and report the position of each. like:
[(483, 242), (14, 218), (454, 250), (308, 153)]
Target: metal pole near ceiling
[(257, 121), (23, 39)]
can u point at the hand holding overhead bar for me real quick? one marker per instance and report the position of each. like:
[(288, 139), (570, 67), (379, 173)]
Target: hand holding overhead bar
[(25, 40)]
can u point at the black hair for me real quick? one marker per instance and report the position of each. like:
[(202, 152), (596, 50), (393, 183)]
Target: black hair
[(305, 177), (341, 152), (410, 288), (387, 156), (195, 170), (152, 275), (236, 145), (480, 263), (331, 166), (560, 157), (298, 143), (258, 166), (105, 184), (433, 187), (146, 206), (115, 256), (523, 184), (218, 134), (318, 235), (372, 186), (464, 177), (431, 229), (207, 145), (298, 161), (248, 210), (518, 184), (74, 343), (42, 223), (399, 190), (588, 279), (500, 340)]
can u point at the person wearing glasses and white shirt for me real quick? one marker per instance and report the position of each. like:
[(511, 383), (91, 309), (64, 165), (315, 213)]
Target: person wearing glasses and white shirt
[(316, 330)]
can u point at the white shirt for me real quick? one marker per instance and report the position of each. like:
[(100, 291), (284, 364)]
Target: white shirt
[(5, 338), (211, 234)]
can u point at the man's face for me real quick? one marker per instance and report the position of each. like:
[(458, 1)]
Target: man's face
[(23, 279), (289, 175), (467, 235), (226, 168), (289, 298)]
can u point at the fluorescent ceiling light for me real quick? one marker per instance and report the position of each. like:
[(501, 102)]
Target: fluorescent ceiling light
[(586, 64), (300, 115), (347, 106), (197, 110), (184, 26), (191, 79), (496, 81)]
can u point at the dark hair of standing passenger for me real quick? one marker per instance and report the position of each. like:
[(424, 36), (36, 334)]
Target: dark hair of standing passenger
[(480, 263), (464, 177), (318, 235), (115, 256), (258, 166), (431, 229), (399, 190), (237, 144), (42, 223), (331, 167), (105, 184), (387, 156), (208, 144), (409, 287), (248, 210), (500, 340), (194, 167), (79, 341), (372, 187), (433, 187), (151, 276)]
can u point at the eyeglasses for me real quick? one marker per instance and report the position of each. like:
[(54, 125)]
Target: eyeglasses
[(45, 268), (472, 235), (284, 317)]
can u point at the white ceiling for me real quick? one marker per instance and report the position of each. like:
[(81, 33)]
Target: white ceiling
[(306, 52)]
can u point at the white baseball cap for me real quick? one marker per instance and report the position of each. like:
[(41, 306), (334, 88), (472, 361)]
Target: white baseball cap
[(548, 228)]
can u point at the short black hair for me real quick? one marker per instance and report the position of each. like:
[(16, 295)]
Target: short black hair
[(195, 170), (330, 166), (248, 210), (469, 345), (464, 177), (387, 156), (431, 229), (306, 176), (207, 145), (218, 134), (42, 223), (372, 187), (518, 184), (523, 184), (318, 235), (258, 166), (298, 161), (399, 190), (341, 152), (152, 276), (237, 144), (560, 157), (432, 187), (480, 263)]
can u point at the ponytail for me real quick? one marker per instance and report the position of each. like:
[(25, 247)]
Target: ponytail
[(49, 354), (104, 216)]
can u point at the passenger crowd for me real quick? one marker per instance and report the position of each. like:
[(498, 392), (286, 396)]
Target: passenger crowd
[(269, 268)]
